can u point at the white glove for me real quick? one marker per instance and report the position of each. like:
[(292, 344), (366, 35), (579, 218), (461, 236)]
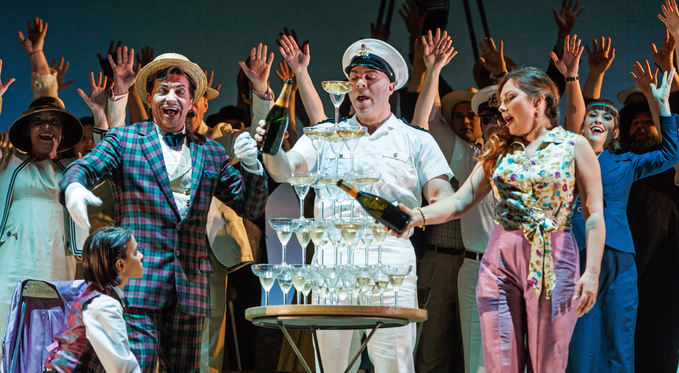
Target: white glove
[(77, 198), (245, 148)]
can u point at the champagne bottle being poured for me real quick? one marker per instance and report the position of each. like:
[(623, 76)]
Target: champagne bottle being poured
[(378, 207)]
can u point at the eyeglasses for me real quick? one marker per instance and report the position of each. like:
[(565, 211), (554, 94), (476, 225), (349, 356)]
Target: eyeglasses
[(488, 119)]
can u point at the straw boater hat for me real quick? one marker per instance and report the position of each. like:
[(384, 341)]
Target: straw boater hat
[(166, 60), (449, 101), (71, 129), (211, 93), (377, 55)]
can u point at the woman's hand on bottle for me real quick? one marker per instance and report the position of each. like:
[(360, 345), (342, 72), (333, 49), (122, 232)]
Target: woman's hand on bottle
[(569, 63), (586, 291), (415, 221)]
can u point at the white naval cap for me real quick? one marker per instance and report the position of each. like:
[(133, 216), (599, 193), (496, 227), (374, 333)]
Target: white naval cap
[(487, 96), (378, 55)]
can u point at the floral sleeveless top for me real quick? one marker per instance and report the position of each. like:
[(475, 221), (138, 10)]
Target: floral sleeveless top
[(537, 194)]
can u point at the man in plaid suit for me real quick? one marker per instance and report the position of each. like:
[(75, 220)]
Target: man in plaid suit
[(164, 177)]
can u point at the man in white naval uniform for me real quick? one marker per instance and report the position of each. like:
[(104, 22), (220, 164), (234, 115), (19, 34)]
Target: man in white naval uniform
[(410, 164)]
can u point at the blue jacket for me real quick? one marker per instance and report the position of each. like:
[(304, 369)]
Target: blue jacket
[(618, 172)]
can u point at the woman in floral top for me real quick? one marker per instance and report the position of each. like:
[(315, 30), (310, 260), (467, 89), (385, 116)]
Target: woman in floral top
[(530, 291)]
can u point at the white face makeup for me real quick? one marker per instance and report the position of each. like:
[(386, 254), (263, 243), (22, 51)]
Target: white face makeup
[(170, 102)]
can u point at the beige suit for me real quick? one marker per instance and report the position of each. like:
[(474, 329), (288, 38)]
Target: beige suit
[(229, 242)]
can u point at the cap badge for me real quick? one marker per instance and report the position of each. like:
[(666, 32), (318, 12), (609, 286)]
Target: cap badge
[(363, 52), (493, 101)]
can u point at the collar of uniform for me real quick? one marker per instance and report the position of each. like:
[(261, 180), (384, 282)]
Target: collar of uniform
[(390, 124)]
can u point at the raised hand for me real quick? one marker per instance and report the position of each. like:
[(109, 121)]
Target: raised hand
[(5, 85), (601, 56), (290, 33), (61, 69), (664, 57), (418, 57), (493, 59), (285, 72), (380, 31), (210, 78), (414, 19), (35, 38), (645, 78), (671, 17), (123, 70), (566, 17), (296, 59), (437, 54), (662, 93), (259, 69), (94, 100), (145, 57), (569, 63), (103, 60)]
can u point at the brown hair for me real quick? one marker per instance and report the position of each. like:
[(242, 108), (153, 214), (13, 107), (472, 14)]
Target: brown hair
[(535, 83), (162, 74), (102, 249)]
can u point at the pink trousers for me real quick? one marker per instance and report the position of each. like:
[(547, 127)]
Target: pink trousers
[(518, 329)]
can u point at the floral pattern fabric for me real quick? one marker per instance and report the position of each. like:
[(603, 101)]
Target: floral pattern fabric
[(537, 194)]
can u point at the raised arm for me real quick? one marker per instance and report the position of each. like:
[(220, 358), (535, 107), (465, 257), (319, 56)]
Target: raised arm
[(61, 70), (438, 51), (33, 44), (568, 65), (645, 79), (98, 112), (136, 107), (4, 86), (124, 77), (299, 62), (599, 60)]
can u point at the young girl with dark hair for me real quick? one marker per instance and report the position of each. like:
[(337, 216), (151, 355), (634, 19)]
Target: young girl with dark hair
[(95, 337)]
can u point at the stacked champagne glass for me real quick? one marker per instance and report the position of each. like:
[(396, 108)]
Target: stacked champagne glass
[(339, 236)]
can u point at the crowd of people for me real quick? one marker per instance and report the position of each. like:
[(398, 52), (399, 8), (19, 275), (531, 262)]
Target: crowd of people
[(549, 245)]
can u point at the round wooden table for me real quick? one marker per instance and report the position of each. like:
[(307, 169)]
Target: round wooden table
[(332, 317)]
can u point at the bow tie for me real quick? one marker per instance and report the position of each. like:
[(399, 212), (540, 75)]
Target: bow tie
[(174, 140)]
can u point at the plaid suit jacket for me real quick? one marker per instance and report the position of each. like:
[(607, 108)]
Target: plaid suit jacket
[(176, 252)]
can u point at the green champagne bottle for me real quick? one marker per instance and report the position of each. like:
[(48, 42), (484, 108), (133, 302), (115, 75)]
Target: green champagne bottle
[(379, 208), (277, 122)]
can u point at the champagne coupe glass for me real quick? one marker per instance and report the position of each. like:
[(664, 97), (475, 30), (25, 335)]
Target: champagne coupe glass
[(349, 231), (367, 237), (322, 193), (349, 281), (364, 181), (301, 181), (318, 136), (306, 289), (303, 235), (380, 234), (381, 281), (319, 237), (285, 283), (337, 90), (351, 135), (362, 281), (331, 279), (318, 284), (267, 274), (396, 274), (330, 182), (283, 228), (299, 273), (335, 236)]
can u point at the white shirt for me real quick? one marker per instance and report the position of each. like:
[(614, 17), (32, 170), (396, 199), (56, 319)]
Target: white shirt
[(179, 171), (477, 224), (405, 157), (107, 332)]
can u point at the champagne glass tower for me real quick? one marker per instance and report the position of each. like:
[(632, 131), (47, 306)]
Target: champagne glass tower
[(337, 90), (397, 274)]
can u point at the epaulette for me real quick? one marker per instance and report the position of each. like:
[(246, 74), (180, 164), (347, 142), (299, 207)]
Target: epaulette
[(332, 120), (414, 126)]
